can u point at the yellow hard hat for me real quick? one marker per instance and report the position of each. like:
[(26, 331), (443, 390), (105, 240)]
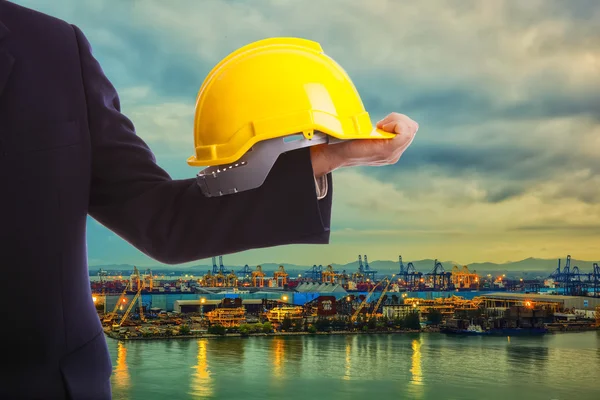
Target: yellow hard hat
[(271, 89)]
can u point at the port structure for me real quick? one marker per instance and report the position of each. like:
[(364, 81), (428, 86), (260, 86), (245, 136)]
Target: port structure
[(382, 297), (368, 272), (408, 276), (220, 276), (315, 273), (462, 278), (245, 274), (575, 282), (280, 276), (438, 278), (329, 275), (258, 277), (365, 301)]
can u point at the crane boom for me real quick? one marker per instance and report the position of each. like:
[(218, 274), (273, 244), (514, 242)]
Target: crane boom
[(360, 307), (382, 294), (135, 298)]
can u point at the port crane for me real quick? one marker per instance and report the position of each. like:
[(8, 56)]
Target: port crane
[(409, 277), (370, 273), (215, 267), (364, 302), (315, 272), (222, 268), (122, 298), (389, 281), (137, 297)]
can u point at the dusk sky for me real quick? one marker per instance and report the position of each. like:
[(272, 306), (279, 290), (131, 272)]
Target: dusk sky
[(506, 163)]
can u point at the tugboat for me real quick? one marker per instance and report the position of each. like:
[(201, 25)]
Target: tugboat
[(457, 327)]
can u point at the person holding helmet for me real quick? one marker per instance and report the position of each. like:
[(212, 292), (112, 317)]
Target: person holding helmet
[(67, 151), (277, 95)]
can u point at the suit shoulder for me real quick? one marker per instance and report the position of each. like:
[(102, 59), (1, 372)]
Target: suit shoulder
[(28, 22)]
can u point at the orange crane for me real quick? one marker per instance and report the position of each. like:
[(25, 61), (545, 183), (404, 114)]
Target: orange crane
[(280, 276), (258, 277), (329, 275), (360, 307), (138, 296), (389, 281), (122, 299)]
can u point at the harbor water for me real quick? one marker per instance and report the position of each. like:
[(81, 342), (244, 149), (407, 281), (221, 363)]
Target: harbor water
[(401, 366)]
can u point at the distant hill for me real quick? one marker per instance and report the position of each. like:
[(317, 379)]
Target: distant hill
[(542, 266)]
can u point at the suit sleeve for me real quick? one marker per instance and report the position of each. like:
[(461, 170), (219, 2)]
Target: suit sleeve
[(171, 220)]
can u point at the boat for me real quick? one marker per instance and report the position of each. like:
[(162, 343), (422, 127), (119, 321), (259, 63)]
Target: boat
[(456, 327)]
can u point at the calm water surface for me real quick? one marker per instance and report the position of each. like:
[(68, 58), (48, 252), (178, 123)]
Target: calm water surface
[(425, 366)]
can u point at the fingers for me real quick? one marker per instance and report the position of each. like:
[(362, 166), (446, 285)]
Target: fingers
[(398, 123)]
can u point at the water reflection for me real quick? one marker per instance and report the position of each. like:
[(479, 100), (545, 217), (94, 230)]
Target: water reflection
[(202, 385), (278, 355), (525, 357), (416, 381), (348, 363), (121, 379)]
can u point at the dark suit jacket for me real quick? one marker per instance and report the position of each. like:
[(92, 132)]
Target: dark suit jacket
[(67, 151)]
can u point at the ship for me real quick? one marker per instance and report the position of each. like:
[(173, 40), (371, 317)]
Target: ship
[(459, 327)]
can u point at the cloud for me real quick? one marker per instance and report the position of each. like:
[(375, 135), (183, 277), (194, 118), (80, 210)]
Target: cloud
[(506, 94)]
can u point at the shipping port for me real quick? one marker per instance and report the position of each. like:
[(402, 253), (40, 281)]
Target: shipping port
[(458, 301)]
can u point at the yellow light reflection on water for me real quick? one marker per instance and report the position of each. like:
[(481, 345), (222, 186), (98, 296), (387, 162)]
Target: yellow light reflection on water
[(278, 355), (202, 384), (121, 372), (348, 363), (416, 381)]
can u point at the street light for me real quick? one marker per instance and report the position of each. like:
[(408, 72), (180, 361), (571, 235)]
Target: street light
[(202, 301)]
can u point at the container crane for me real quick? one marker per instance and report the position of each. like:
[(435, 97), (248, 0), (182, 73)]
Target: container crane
[(402, 268), (329, 275), (370, 273), (258, 277), (281, 276), (215, 267), (315, 272), (222, 269), (362, 304), (440, 279), (359, 275), (245, 272)]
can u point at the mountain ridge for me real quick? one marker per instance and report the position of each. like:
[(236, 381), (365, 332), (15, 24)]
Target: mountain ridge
[(381, 266)]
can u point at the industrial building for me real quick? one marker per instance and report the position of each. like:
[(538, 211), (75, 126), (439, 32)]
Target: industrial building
[(505, 299)]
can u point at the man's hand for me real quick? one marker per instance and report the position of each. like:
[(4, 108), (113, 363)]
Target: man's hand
[(367, 152)]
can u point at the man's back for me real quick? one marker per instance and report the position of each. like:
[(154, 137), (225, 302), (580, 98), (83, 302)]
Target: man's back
[(48, 320), (66, 151)]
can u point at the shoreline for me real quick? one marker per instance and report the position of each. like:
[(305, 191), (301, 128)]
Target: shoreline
[(117, 336)]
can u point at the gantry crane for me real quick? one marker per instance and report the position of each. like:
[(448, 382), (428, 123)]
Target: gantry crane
[(208, 279), (280, 275), (360, 307), (329, 275), (258, 277), (232, 279), (389, 281), (359, 275), (215, 267)]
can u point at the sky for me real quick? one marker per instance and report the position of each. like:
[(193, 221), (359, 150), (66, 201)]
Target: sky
[(506, 163)]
